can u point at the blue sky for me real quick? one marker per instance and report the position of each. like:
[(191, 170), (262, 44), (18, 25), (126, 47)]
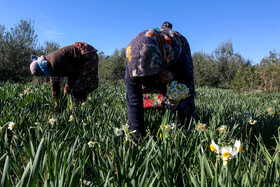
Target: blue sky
[(252, 25)]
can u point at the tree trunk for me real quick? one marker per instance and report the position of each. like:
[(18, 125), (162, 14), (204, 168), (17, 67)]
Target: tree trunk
[(260, 87), (271, 85)]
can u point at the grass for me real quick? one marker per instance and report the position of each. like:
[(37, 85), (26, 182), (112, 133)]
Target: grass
[(59, 154)]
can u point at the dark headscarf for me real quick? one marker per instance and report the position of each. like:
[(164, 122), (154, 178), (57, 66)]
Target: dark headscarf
[(167, 24)]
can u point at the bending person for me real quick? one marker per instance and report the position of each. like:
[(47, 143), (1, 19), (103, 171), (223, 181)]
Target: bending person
[(156, 57), (77, 62)]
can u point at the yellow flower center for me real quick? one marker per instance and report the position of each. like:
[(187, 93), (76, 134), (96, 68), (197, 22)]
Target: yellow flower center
[(226, 154), (270, 110), (167, 127), (202, 127), (212, 148), (222, 130), (240, 149)]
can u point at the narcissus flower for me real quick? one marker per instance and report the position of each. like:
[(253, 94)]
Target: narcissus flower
[(26, 92), (167, 127), (172, 125), (252, 122), (201, 127), (11, 125), (238, 146), (222, 129), (71, 118), (51, 121), (118, 131), (126, 127), (270, 111), (214, 147), (90, 143), (226, 152)]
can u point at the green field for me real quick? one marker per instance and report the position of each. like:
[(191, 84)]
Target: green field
[(37, 152)]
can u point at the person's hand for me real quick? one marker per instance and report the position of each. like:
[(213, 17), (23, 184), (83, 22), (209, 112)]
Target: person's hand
[(170, 104)]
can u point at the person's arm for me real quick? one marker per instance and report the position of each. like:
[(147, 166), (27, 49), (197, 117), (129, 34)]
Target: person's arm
[(185, 43), (187, 106), (186, 112), (135, 108), (55, 87), (94, 58)]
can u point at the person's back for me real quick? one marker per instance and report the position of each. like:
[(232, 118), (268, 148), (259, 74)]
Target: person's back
[(153, 49), (64, 61)]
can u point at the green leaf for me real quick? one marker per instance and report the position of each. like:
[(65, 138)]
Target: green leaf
[(5, 172), (36, 165), (24, 177), (75, 177)]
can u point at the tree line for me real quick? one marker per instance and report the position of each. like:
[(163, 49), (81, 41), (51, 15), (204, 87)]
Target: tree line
[(222, 68), (16, 47)]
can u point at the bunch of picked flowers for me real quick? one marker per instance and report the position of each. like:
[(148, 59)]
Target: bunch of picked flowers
[(226, 152), (177, 91)]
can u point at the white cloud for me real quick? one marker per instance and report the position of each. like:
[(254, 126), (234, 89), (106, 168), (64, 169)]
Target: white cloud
[(52, 34)]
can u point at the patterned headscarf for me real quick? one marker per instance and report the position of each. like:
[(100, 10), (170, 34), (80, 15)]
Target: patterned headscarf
[(84, 48)]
